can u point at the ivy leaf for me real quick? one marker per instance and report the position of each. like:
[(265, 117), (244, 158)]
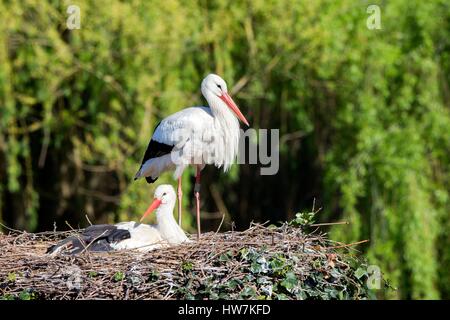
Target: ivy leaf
[(282, 296), (232, 284), (268, 290), (290, 281), (213, 295), (360, 272), (92, 274), (154, 275), (12, 276), (255, 267), (224, 257), (301, 295), (119, 276), (25, 295), (187, 266), (303, 219), (248, 292)]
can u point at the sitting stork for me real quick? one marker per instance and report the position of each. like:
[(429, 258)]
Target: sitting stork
[(130, 235), (195, 136)]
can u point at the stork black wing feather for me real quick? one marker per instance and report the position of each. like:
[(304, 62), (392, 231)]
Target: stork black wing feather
[(94, 238), (104, 231), (155, 149)]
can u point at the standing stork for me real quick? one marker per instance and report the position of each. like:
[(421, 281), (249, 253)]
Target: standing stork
[(195, 136)]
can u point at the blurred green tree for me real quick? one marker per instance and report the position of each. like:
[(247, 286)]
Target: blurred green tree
[(363, 116)]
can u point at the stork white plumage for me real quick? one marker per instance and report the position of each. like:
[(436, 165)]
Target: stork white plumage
[(131, 235), (195, 136)]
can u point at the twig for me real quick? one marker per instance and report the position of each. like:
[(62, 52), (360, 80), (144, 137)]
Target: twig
[(218, 200), (11, 229), (329, 224), (87, 218), (348, 245), (220, 225)]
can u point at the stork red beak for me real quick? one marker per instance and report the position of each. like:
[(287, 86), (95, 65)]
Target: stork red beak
[(155, 204), (230, 103)]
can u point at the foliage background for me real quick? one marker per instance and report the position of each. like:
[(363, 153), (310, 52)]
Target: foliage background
[(363, 116)]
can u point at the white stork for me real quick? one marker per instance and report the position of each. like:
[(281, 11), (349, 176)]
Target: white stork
[(195, 136), (130, 235)]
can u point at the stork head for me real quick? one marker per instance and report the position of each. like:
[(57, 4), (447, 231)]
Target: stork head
[(214, 87), (164, 197)]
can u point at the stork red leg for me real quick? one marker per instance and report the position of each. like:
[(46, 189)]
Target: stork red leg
[(180, 197), (197, 200)]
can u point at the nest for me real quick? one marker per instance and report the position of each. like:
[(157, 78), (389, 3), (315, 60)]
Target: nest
[(259, 263)]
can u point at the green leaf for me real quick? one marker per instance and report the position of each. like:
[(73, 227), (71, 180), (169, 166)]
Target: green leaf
[(282, 296), (224, 257), (12, 276), (25, 295), (154, 275), (360, 272), (301, 295), (92, 274), (255, 267), (248, 292), (290, 281), (187, 266), (233, 283), (119, 276), (303, 219)]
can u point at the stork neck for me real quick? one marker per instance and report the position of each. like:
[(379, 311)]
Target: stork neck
[(227, 131), (221, 112), (164, 213), (167, 226)]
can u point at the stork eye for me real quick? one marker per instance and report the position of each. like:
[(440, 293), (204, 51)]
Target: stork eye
[(164, 193), (219, 86)]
